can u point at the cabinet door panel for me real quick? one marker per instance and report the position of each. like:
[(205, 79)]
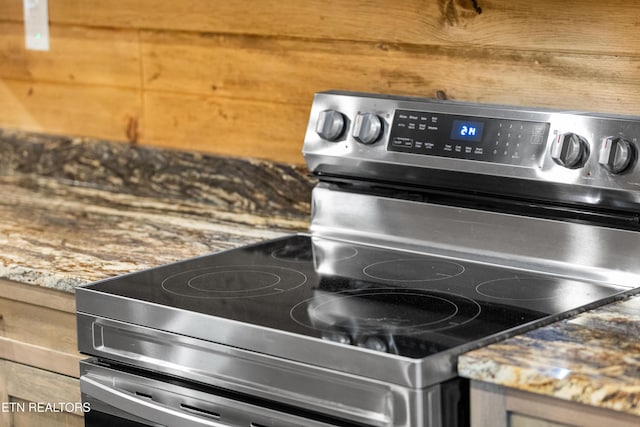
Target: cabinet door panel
[(38, 327), (35, 397), (518, 420), (496, 406), (39, 419)]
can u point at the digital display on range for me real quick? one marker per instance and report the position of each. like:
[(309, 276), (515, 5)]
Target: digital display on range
[(463, 130), (504, 140)]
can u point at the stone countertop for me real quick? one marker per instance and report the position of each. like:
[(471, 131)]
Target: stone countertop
[(592, 358), (75, 211)]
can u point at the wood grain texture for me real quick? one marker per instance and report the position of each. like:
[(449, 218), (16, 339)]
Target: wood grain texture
[(291, 71), (36, 385), (39, 419), (81, 55), (493, 406), (37, 325), (101, 111), (226, 126), (546, 24), (64, 363), (237, 78), (487, 405), (38, 296), (5, 417)]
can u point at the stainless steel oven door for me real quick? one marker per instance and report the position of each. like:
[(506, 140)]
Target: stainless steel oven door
[(129, 399)]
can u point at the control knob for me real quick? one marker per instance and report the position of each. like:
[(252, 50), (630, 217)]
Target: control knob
[(367, 128), (373, 343), (616, 154), (330, 124), (570, 150)]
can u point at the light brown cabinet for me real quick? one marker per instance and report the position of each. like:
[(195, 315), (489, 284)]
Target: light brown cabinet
[(38, 357), (34, 397), (496, 406)]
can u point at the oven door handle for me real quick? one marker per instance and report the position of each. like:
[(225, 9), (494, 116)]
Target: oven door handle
[(142, 408)]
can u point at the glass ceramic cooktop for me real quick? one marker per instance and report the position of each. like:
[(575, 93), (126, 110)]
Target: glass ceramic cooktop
[(389, 301)]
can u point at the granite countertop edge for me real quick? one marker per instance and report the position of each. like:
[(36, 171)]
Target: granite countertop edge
[(75, 210), (592, 358)]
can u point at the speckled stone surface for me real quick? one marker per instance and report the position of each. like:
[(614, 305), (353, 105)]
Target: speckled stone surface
[(593, 358), (74, 211)]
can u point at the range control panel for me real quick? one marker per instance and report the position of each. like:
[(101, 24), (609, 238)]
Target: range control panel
[(514, 142), (580, 157)]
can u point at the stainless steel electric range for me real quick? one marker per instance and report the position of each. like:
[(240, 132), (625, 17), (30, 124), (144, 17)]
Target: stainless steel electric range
[(436, 227)]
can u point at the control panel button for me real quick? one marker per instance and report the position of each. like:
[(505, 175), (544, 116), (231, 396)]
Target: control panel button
[(367, 128), (330, 125), (486, 139), (570, 150), (616, 154)]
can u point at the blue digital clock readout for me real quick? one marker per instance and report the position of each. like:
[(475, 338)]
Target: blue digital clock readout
[(463, 130)]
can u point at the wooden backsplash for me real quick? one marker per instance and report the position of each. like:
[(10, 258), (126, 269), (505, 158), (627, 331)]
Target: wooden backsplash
[(238, 77)]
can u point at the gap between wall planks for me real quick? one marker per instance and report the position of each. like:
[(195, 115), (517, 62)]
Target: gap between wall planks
[(223, 78)]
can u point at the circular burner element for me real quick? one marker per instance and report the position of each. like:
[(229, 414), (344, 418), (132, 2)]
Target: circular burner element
[(384, 311), (229, 281), (234, 281), (521, 288), (413, 270)]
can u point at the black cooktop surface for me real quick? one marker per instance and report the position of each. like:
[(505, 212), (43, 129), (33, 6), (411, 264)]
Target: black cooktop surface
[(389, 301)]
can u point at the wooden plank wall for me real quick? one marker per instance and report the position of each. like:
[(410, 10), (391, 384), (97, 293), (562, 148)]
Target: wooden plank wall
[(237, 78)]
